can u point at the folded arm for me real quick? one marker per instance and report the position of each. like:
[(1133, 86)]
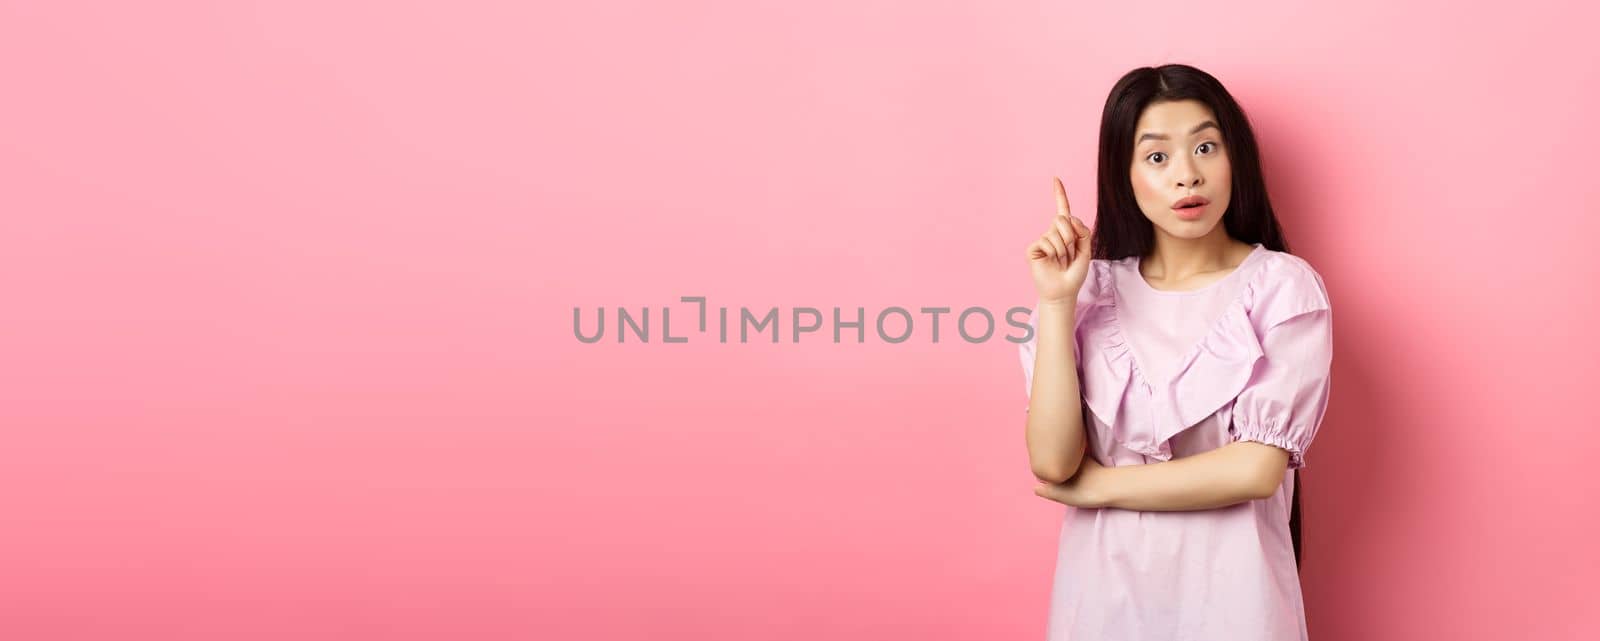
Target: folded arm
[(1234, 473)]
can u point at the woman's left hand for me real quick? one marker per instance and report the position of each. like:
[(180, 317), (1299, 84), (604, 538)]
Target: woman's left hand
[(1087, 488)]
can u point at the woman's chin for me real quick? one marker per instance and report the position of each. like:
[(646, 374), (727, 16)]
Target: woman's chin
[(1198, 228)]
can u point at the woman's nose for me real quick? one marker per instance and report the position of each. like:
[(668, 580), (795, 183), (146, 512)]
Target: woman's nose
[(1191, 176)]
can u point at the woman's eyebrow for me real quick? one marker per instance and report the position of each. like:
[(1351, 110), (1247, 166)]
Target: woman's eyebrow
[(1197, 128)]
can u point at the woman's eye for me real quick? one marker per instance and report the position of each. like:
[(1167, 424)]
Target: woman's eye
[(1208, 143), (1152, 157)]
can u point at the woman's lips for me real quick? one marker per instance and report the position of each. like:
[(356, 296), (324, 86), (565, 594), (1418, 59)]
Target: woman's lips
[(1190, 213)]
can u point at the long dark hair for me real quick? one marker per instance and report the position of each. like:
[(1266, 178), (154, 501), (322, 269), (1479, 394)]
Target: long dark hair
[(1121, 230)]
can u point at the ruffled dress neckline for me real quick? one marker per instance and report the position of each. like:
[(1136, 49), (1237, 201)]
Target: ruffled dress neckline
[(1143, 413)]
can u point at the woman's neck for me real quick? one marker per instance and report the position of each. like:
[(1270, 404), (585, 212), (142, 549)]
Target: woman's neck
[(1177, 260)]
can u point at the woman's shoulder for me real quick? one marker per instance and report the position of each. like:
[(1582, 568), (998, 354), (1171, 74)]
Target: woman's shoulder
[(1285, 286), (1288, 261), (1286, 270)]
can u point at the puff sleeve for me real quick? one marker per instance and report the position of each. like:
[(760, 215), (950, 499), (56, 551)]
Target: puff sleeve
[(1284, 402)]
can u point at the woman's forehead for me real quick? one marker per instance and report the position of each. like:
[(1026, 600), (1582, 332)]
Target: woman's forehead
[(1174, 118)]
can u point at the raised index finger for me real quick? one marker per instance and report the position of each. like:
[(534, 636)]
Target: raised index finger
[(1061, 198)]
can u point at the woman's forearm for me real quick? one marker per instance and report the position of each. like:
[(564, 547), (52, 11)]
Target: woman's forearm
[(1055, 407), (1220, 477)]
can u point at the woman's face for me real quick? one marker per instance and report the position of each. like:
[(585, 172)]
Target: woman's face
[(1178, 152)]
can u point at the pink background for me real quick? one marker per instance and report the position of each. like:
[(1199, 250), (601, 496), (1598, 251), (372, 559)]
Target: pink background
[(288, 294)]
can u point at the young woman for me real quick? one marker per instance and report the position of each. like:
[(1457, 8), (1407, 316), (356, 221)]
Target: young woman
[(1177, 373)]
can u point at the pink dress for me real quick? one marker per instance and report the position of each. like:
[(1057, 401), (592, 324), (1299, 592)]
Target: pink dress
[(1170, 374)]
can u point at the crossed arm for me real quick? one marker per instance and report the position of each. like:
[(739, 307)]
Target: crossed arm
[(1234, 473)]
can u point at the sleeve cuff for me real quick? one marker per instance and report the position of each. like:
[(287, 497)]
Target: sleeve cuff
[(1271, 433)]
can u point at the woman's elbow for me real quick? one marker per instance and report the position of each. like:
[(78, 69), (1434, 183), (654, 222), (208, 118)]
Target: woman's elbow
[(1052, 460), (1056, 470)]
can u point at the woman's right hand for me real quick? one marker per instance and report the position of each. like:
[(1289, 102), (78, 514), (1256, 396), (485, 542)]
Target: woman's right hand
[(1059, 259)]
